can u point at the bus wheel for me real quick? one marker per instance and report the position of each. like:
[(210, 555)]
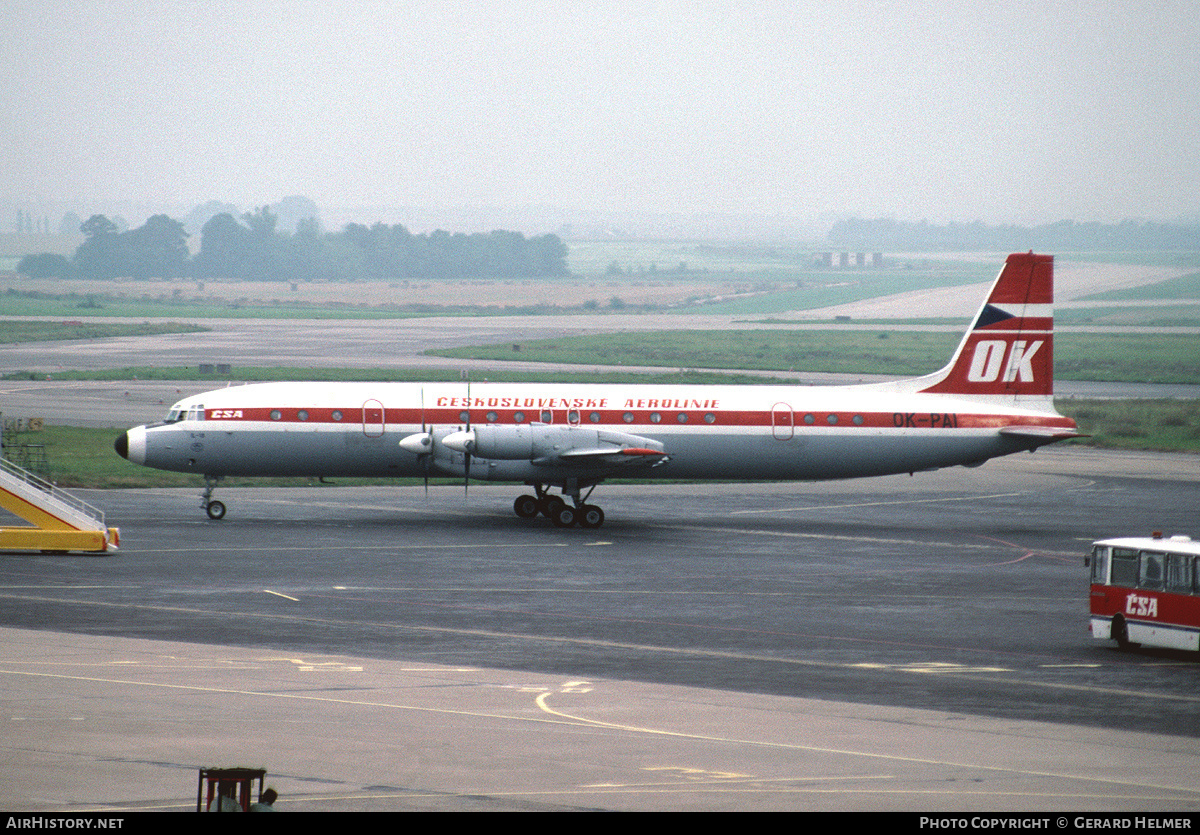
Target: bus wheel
[(1120, 633)]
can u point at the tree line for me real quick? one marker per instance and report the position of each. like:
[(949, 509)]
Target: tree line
[(250, 247)]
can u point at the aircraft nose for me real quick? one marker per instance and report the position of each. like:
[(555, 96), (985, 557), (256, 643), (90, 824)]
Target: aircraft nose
[(132, 445)]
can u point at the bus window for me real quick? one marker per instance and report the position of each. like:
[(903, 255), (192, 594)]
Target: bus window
[(1124, 567), (1179, 573), (1100, 565), (1151, 574)]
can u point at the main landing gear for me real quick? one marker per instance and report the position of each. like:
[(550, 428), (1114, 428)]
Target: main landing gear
[(556, 509)]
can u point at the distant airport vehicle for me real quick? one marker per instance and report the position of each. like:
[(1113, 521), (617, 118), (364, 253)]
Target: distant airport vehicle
[(1145, 591), (995, 397)]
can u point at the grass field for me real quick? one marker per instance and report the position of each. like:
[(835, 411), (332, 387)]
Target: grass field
[(738, 280), (1115, 357), (393, 375), (610, 276), (72, 306), (1134, 357), (1169, 425), (23, 330), (1149, 316), (1183, 287)]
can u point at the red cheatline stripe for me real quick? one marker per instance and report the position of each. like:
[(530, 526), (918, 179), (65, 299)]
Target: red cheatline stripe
[(644, 419)]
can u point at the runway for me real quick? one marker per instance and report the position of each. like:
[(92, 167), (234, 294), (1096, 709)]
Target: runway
[(886, 644)]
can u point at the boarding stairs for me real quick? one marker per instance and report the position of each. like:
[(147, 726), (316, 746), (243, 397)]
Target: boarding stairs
[(57, 520)]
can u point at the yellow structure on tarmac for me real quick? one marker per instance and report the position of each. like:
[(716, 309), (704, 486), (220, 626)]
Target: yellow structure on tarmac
[(57, 520)]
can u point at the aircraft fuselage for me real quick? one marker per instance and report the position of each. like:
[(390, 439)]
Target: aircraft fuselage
[(708, 432)]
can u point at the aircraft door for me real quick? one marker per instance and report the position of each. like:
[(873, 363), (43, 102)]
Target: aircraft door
[(783, 425), (374, 420)]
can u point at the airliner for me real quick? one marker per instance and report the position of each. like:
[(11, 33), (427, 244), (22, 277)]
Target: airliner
[(994, 397)]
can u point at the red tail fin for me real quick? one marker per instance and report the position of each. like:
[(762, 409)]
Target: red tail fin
[(1009, 351)]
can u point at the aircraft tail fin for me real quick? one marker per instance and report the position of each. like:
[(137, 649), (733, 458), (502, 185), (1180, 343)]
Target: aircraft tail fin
[(1008, 353)]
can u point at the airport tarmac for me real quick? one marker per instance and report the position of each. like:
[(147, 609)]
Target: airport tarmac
[(116, 725), (904, 644), (886, 644)]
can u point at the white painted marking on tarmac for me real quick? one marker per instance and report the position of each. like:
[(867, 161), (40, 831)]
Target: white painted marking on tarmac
[(940, 500), (931, 667), (321, 666), (766, 784), (280, 594), (822, 536), (1149, 694), (873, 755), (688, 773), (525, 546)]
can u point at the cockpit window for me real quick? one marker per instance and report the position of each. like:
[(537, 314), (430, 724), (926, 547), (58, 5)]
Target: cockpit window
[(181, 412)]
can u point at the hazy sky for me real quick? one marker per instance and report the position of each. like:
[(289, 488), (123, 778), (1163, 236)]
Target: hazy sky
[(919, 109)]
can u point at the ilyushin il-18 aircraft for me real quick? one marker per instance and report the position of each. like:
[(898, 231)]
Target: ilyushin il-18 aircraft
[(995, 397)]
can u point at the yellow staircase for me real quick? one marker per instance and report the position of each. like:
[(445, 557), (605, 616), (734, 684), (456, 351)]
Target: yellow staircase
[(57, 520)]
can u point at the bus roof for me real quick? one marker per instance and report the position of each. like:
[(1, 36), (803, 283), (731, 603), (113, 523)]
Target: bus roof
[(1174, 544)]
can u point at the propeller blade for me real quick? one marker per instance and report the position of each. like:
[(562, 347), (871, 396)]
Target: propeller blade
[(467, 460), (428, 459)]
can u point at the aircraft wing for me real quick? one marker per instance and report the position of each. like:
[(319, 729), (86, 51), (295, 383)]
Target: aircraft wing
[(556, 446), (616, 454)]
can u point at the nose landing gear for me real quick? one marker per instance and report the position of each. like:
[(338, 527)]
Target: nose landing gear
[(214, 508)]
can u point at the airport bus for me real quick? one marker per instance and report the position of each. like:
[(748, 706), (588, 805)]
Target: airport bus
[(1146, 591)]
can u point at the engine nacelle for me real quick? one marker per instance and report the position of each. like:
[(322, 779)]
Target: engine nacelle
[(535, 442)]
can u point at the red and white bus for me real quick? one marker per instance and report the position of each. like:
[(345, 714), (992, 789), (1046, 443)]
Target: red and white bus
[(1146, 591)]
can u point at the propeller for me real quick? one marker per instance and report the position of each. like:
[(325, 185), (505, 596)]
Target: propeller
[(428, 460), (421, 444), (467, 453)]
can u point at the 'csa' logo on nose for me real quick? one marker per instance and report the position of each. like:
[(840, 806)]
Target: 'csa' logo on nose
[(989, 361)]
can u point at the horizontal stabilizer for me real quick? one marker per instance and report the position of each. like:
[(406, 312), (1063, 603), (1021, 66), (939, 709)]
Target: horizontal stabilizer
[(1045, 433)]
